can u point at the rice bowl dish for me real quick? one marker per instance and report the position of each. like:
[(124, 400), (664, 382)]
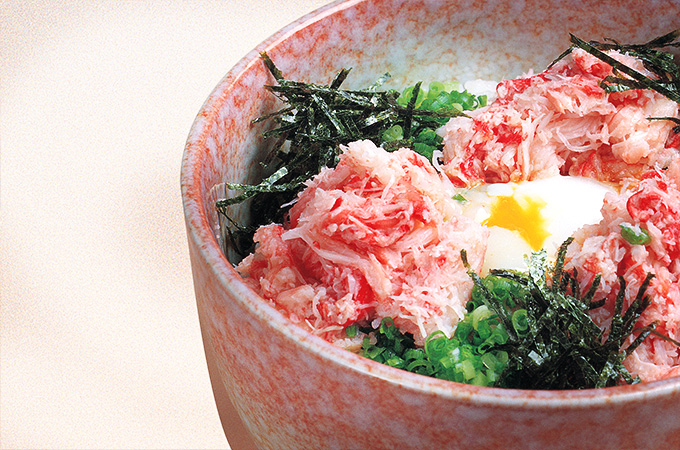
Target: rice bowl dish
[(380, 236)]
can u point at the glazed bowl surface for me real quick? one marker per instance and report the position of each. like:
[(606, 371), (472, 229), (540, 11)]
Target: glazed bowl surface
[(292, 390)]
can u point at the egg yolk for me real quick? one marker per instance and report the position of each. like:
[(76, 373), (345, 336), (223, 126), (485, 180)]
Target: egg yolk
[(522, 216)]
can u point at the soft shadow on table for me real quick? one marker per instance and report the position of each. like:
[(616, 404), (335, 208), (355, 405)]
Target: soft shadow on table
[(238, 436)]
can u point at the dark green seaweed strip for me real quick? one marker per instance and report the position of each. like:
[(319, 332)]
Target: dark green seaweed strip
[(642, 80)]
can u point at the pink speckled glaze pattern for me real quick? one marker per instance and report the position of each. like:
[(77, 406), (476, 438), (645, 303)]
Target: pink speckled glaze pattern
[(294, 391)]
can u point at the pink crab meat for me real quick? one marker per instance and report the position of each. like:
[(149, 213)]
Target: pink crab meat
[(653, 204), (378, 236), (561, 121)]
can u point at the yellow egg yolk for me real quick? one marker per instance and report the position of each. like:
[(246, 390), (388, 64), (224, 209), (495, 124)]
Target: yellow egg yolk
[(522, 216)]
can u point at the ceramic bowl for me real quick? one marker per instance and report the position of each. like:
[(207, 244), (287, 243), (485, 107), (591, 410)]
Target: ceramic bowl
[(292, 390)]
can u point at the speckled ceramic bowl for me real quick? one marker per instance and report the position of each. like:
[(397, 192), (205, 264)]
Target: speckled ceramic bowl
[(292, 390)]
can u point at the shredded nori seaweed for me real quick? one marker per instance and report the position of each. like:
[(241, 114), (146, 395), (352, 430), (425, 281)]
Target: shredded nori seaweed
[(315, 121), (659, 62), (564, 348)]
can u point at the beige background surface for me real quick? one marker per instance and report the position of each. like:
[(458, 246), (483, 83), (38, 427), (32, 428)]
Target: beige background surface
[(100, 343)]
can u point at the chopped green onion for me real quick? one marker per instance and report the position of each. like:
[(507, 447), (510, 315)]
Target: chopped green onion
[(460, 198), (393, 133), (520, 321), (635, 234), (468, 369), (481, 313), (489, 361), (471, 355), (434, 88), (424, 149)]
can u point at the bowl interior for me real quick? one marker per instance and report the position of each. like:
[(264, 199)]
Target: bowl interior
[(423, 41), (419, 40)]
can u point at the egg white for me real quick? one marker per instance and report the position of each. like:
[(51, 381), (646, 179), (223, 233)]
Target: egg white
[(563, 203)]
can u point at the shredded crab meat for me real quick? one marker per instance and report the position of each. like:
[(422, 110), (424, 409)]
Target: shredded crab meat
[(378, 236), (561, 121), (654, 205)]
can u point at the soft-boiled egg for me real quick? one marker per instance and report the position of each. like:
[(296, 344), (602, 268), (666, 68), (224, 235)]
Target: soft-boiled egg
[(532, 215)]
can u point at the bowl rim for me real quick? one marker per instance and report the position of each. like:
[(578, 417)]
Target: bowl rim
[(201, 236)]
